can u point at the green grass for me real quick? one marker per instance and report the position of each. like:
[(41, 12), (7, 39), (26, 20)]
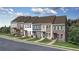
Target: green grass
[(34, 39), (66, 44), (45, 41), (24, 37), (3, 33)]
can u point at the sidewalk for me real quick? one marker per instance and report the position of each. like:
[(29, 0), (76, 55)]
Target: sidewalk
[(38, 43)]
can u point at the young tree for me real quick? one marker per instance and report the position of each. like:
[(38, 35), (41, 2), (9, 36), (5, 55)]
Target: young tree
[(73, 35), (5, 29)]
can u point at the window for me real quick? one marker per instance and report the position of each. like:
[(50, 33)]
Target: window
[(43, 26), (21, 25), (28, 26), (25, 26), (36, 27), (57, 27), (54, 27), (48, 26), (61, 27)]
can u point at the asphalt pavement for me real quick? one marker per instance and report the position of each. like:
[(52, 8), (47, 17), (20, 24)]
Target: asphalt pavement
[(9, 45)]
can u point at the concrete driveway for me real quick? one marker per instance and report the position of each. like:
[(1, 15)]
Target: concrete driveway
[(8, 45)]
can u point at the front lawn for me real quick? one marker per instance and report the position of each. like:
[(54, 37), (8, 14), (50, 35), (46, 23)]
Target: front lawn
[(26, 37), (66, 44), (1, 33), (45, 41), (34, 39)]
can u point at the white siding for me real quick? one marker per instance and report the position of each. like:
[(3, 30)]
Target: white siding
[(28, 28), (43, 27), (14, 25)]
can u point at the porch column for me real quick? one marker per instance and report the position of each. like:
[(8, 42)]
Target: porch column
[(51, 31), (41, 34), (24, 33)]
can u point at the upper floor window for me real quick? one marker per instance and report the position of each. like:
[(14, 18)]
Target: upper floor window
[(28, 26), (48, 26), (54, 27), (36, 27), (21, 25), (61, 27), (43, 26), (58, 27)]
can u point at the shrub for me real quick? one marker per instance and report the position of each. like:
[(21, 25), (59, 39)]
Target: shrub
[(73, 35)]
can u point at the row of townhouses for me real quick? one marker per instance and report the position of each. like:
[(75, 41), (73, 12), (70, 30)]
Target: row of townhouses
[(51, 27)]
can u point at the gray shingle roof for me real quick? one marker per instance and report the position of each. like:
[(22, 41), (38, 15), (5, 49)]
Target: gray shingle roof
[(45, 19), (60, 20)]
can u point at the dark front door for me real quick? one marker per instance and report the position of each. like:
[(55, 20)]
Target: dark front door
[(26, 33), (34, 33), (56, 36), (44, 34)]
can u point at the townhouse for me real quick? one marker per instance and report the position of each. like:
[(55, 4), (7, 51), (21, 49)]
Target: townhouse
[(51, 27)]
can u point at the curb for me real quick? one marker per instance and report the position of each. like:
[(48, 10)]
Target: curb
[(37, 43)]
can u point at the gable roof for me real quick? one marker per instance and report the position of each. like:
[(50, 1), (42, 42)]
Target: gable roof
[(45, 19), (21, 19), (60, 20)]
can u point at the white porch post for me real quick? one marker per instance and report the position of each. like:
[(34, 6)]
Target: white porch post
[(51, 31), (24, 33), (41, 34)]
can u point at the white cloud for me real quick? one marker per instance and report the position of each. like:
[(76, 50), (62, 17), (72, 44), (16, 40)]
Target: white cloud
[(19, 14), (64, 9), (44, 10), (50, 11), (3, 9), (11, 10), (37, 10), (7, 10)]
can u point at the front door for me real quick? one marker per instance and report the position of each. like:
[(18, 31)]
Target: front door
[(44, 34), (56, 36), (26, 34)]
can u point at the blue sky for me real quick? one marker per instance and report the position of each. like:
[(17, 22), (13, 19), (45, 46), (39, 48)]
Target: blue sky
[(7, 14)]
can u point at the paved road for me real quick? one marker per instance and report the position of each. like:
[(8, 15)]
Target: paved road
[(8, 45)]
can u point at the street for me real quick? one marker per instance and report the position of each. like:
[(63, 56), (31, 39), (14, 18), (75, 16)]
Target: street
[(8, 45)]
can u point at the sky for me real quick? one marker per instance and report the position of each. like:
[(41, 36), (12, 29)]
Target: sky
[(7, 14)]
